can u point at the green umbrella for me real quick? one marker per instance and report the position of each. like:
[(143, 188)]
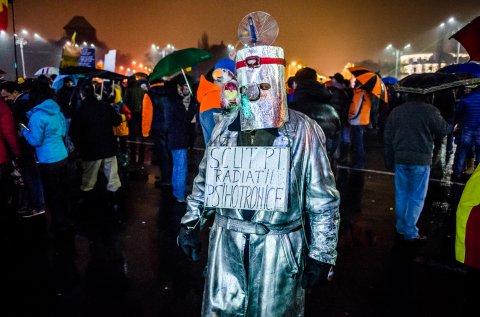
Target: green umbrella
[(177, 61)]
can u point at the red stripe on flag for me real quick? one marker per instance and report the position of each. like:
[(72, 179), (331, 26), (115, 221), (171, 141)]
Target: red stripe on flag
[(472, 238), (4, 17)]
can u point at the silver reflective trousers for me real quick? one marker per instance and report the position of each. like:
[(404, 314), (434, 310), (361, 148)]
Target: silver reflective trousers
[(268, 282)]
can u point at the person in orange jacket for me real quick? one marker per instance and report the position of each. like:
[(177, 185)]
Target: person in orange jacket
[(208, 96), (359, 119)]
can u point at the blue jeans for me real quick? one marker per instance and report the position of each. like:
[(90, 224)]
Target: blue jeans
[(207, 122), (179, 175), (358, 148), (469, 138), (411, 184)]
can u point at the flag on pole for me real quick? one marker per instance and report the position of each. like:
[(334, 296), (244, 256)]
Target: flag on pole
[(3, 14)]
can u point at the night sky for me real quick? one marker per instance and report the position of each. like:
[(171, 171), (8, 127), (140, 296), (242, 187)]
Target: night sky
[(322, 34)]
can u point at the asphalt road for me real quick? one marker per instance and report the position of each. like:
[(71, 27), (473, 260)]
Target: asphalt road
[(128, 264)]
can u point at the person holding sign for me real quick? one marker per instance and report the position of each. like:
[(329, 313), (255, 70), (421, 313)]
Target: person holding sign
[(266, 179)]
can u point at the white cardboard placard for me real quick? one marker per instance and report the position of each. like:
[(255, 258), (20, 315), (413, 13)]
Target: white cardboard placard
[(247, 177)]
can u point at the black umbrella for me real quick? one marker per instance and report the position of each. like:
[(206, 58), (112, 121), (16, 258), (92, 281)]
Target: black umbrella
[(91, 72), (426, 83), (467, 68)]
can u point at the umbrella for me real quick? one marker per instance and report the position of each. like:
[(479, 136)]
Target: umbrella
[(47, 71), (370, 81), (467, 68), (426, 83), (91, 72), (58, 82), (177, 61), (389, 80), (468, 37)]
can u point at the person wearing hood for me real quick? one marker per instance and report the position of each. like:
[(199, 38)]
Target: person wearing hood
[(208, 96), (259, 259), (46, 132)]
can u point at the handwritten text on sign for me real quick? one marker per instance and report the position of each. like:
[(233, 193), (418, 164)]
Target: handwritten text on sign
[(247, 177)]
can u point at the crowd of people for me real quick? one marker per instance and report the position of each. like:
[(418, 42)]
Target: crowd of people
[(104, 126), (94, 122)]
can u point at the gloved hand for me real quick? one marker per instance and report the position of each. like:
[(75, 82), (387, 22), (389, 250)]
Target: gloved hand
[(316, 273), (190, 243)]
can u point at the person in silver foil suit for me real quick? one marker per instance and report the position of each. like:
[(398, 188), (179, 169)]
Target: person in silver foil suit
[(260, 262)]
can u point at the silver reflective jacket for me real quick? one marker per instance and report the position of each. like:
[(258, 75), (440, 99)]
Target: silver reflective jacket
[(268, 283)]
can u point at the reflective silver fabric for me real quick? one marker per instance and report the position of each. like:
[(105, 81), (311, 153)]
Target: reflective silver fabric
[(263, 97), (272, 286)]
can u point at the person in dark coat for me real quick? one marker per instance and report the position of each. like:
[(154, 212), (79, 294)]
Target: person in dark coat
[(341, 100), (154, 124), (410, 131), (468, 111), (312, 98), (134, 99), (181, 110), (92, 133)]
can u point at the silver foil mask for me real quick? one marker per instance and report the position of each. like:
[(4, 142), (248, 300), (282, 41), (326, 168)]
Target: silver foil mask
[(260, 73)]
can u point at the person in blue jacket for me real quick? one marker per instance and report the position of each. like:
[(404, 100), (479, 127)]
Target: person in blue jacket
[(46, 131)]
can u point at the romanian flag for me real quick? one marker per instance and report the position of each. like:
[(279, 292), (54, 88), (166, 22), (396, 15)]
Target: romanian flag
[(467, 239), (3, 14)]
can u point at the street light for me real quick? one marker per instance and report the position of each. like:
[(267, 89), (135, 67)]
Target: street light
[(168, 49), (444, 33), (397, 53), (21, 42)]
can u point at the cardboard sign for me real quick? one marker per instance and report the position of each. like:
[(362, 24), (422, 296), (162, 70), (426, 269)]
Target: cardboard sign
[(247, 177), (110, 58)]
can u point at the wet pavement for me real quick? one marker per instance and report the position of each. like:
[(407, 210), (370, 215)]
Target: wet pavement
[(128, 264)]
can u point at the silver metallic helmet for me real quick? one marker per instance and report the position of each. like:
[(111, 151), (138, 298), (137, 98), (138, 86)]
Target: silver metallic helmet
[(261, 81)]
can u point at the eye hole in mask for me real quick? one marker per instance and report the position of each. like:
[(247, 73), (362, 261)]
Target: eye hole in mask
[(252, 91), (265, 86)]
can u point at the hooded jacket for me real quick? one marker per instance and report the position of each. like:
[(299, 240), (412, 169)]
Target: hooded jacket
[(208, 95), (46, 130)]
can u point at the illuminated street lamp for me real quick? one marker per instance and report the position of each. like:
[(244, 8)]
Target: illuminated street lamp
[(21, 42), (168, 49), (397, 53), (445, 30)]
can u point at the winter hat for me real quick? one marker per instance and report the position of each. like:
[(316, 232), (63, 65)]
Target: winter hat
[(226, 63)]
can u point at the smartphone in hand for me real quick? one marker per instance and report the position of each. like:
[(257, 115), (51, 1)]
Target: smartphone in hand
[(22, 126)]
